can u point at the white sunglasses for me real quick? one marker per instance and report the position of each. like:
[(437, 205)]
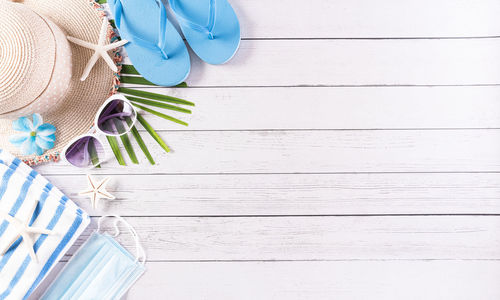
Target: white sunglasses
[(116, 117)]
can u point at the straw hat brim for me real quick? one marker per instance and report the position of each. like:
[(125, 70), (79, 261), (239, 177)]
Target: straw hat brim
[(75, 115)]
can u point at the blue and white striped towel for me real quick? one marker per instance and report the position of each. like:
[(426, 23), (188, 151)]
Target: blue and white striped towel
[(21, 188)]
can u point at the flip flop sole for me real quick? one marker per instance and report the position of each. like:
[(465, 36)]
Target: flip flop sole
[(226, 30), (140, 19)]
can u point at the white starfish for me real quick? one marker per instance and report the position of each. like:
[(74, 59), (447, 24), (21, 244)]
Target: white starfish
[(97, 191), (23, 230), (101, 50)]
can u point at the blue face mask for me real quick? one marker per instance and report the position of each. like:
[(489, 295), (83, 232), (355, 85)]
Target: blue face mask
[(100, 269)]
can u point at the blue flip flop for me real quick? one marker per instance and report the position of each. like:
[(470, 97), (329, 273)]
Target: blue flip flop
[(155, 47), (211, 28)]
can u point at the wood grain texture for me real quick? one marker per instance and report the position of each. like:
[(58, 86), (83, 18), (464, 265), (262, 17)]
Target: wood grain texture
[(322, 280), (354, 63), (412, 280), (367, 19), (315, 238), (292, 194), (350, 150), (345, 151), (302, 108), (319, 19)]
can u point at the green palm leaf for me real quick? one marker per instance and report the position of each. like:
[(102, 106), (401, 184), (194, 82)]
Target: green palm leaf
[(126, 141), (159, 114), (153, 133), (129, 69), (143, 146), (113, 142), (135, 80), (159, 104), (154, 96), (94, 157)]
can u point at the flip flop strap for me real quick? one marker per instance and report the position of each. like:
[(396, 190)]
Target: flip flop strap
[(160, 44), (208, 28)]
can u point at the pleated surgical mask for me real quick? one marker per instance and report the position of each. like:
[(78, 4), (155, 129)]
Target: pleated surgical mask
[(101, 269)]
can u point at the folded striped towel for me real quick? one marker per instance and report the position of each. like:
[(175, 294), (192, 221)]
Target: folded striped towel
[(28, 197)]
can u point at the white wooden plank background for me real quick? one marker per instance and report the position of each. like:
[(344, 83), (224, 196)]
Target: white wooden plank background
[(367, 19), (351, 150)]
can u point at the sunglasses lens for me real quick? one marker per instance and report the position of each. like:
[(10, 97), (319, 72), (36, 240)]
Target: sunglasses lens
[(116, 118), (85, 152)]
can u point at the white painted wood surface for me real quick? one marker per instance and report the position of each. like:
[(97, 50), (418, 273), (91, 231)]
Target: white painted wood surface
[(355, 62), (318, 151), (307, 238), (351, 150), (262, 19), (296, 194), (299, 108), (299, 280)]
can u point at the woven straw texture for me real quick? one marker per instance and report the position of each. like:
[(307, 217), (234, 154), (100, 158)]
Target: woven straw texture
[(27, 57), (58, 84), (75, 115)]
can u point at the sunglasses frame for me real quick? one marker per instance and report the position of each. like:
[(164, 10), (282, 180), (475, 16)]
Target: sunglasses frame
[(95, 132)]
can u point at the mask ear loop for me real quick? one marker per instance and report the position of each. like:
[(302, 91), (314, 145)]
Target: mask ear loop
[(140, 252)]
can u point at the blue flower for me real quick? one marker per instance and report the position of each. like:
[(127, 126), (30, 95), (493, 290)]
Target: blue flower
[(35, 138)]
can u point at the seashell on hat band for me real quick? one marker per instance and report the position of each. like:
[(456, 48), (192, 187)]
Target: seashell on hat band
[(35, 62)]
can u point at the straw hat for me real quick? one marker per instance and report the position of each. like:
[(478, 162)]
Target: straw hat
[(40, 71)]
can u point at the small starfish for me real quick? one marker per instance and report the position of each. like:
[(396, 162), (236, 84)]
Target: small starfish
[(101, 50), (24, 230), (97, 191)]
